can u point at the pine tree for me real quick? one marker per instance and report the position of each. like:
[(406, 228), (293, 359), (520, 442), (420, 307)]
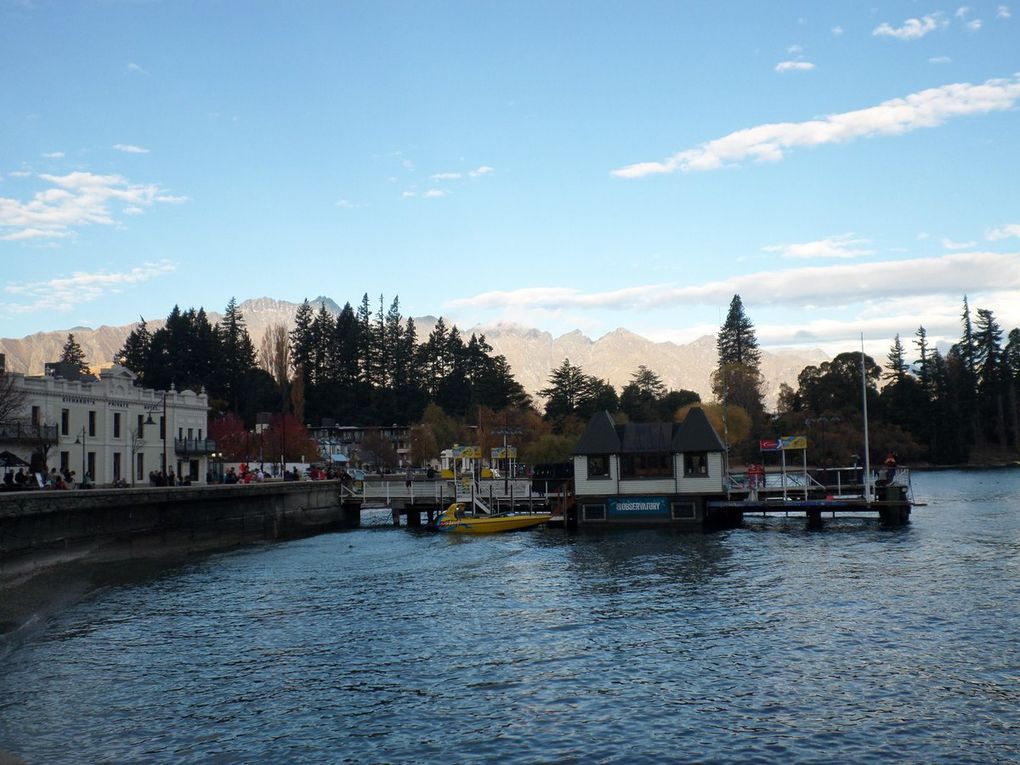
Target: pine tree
[(301, 346), (73, 355), (738, 380), (238, 354), (897, 366), (989, 368), (134, 354)]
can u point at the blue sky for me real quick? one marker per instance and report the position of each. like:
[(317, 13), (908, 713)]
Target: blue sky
[(846, 168)]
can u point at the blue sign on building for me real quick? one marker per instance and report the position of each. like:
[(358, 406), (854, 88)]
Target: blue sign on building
[(632, 507)]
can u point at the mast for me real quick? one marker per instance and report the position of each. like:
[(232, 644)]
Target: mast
[(867, 446)]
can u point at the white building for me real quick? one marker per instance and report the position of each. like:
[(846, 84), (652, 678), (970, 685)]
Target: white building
[(110, 428)]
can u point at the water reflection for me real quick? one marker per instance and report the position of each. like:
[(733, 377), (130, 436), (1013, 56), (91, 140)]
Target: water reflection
[(767, 643)]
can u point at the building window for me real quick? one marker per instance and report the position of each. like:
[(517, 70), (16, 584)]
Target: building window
[(116, 424), (647, 465), (180, 434), (140, 467), (598, 466), (116, 466), (36, 415), (65, 461), (683, 511), (696, 464), (191, 433), (593, 512), (92, 424), (65, 422), (141, 426), (162, 428), (91, 465)]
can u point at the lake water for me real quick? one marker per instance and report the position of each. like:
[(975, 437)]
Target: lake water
[(768, 643)]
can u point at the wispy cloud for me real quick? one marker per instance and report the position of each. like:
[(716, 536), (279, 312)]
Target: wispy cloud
[(949, 244), (446, 176), (1004, 232), (769, 142), (53, 154), (794, 66), (974, 25), (64, 293), (75, 200), (837, 31), (21, 174), (912, 29), (940, 60), (482, 170), (133, 67), (842, 246), (843, 284), (434, 194), (962, 11), (1002, 12), (128, 148)]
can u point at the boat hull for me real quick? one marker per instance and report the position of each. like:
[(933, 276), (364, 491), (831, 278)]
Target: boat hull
[(491, 525)]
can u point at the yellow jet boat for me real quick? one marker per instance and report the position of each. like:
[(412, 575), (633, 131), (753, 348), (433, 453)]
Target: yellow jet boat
[(458, 520)]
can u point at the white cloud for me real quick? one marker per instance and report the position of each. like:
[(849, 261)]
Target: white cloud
[(53, 154), (768, 142), (446, 176), (129, 149), (20, 174), (409, 194), (962, 11), (793, 50), (949, 244), (831, 285), (132, 67), (434, 194), (1002, 12), (940, 60), (75, 200), (912, 29), (974, 25), (481, 170), (842, 246), (794, 66), (837, 31), (1004, 232), (346, 204), (64, 293)]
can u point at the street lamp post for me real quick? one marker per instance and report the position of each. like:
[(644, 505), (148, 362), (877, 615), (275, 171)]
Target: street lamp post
[(82, 442)]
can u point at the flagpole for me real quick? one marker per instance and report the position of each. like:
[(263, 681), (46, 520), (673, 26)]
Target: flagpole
[(867, 446)]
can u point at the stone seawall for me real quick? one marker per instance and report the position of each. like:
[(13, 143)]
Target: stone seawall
[(42, 527)]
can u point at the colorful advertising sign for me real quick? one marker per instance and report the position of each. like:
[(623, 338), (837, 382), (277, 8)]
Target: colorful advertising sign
[(634, 507), (467, 452), (504, 452), (786, 443)]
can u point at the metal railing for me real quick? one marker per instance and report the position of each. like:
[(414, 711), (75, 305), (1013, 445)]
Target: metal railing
[(26, 431), (194, 446)]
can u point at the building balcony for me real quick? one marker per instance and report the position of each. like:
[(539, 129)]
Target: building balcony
[(25, 431), (195, 446)]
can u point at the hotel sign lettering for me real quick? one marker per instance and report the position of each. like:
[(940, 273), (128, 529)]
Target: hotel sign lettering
[(632, 507)]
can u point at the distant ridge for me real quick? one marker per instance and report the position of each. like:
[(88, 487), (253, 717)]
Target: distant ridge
[(532, 353)]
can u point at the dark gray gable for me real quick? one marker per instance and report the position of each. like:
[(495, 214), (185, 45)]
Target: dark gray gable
[(696, 434), (599, 437), (647, 437)]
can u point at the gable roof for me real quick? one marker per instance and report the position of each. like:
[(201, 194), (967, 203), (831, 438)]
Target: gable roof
[(696, 434), (600, 437), (604, 436)]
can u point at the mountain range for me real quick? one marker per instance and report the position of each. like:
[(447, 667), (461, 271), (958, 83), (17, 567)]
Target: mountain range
[(531, 353)]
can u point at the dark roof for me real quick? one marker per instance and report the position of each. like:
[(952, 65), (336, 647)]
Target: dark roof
[(600, 437), (646, 437), (604, 436), (696, 434)]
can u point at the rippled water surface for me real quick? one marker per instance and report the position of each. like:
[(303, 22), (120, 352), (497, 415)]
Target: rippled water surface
[(769, 643)]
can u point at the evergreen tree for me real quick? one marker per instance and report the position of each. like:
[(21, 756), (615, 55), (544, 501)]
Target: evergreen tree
[(897, 365), (1011, 373), (990, 377), (238, 354), (737, 380), (73, 355), (301, 345), (134, 353)]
